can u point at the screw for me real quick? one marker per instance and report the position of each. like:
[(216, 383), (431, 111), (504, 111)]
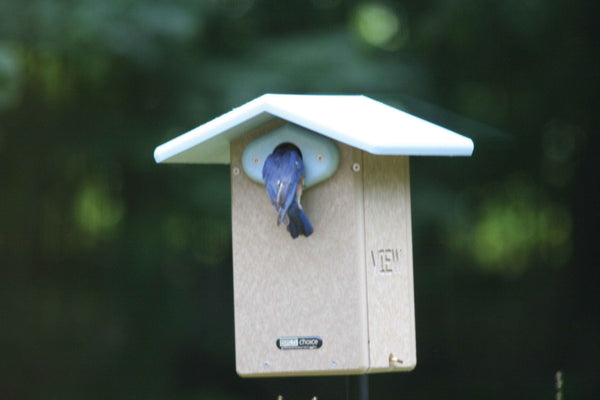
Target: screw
[(256, 160), (356, 167), (320, 157), (236, 171)]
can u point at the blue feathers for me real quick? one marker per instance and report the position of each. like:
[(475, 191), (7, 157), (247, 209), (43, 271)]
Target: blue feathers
[(283, 173), (298, 221)]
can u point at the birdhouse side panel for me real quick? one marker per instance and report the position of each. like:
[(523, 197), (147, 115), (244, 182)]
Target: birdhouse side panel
[(388, 245)]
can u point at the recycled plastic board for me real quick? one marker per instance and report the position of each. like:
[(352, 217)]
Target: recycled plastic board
[(389, 263), (358, 121), (325, 304)]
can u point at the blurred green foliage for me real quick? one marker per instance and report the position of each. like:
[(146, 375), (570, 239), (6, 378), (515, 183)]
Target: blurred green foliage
[(116, 272)]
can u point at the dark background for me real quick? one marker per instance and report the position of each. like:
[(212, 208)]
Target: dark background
[(115, 272)]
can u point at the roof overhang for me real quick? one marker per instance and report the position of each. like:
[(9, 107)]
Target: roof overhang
[(357, 121)]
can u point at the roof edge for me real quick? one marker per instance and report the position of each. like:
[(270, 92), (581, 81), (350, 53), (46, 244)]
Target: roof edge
[(344, 120)]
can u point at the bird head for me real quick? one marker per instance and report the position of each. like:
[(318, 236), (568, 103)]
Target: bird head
[(284, 147)]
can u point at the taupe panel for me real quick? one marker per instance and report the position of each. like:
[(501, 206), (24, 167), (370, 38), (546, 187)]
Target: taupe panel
[(313, 286), (388, 245)]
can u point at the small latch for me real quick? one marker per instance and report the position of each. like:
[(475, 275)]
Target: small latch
[(395, 362)]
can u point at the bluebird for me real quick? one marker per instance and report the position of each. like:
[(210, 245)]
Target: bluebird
[(283, 174)]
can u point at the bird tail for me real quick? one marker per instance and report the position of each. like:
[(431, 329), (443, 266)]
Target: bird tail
[(298, 221)]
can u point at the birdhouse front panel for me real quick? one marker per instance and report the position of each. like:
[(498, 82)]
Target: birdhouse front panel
[(338, 301), (290, 292)]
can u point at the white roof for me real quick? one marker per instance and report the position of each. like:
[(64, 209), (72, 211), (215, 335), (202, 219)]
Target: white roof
[(354, 120)]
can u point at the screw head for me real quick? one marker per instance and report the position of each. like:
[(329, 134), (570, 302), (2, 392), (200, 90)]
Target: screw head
[(236, 171), (356, 167)]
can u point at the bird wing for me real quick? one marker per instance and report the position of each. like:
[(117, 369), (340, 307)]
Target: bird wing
[(271, 178), (282, 174)]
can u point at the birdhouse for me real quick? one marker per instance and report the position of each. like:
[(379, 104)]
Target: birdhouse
[(339, 301)]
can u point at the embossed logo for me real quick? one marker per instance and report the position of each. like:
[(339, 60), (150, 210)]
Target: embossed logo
[(386, 261)]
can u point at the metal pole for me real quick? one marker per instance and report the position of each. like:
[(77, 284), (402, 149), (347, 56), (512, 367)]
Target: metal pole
[(357, 387)]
